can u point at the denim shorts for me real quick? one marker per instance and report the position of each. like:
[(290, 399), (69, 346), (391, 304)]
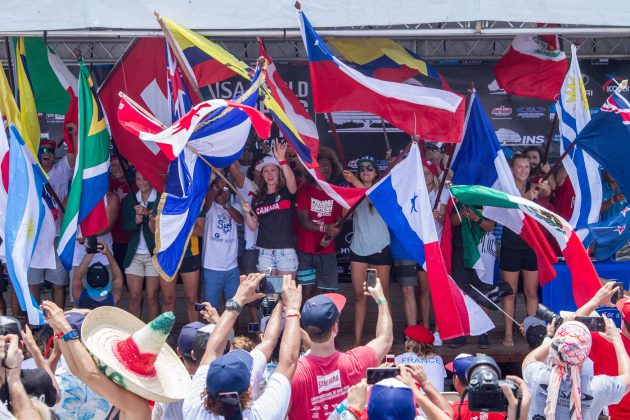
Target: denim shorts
[(279, 259)]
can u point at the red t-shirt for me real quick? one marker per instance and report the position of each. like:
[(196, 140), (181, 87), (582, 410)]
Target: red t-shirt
[(461, 413), (320, 383), (564, 199), (605, 363), (321, 209), (121, 189)]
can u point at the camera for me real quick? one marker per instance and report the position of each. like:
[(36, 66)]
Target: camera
[(484, 386), (91, 245), (267, 304), (546, 314)]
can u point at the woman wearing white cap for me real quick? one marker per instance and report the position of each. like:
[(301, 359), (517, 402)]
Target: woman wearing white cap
[(274, 206)]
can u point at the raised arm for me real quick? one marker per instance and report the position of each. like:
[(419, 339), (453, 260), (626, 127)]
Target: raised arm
[(291, 338), (117, 280), (279, 151), (21, 404), (384, 326), (602, 297), (432, 402), (239, 177), (77, 278), (272, 332), (613, 335)]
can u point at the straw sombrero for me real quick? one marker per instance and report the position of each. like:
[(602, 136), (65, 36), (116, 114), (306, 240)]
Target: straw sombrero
[(134, 355)]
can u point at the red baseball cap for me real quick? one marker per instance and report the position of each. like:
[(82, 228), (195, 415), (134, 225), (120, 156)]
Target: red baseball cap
[(420, 333), (48, 143), (624, 309)]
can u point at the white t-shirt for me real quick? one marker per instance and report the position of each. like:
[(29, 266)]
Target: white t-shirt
[(59, 179), (220, 246), (433, 367), (248, 191), (272, 404), (142, 244)]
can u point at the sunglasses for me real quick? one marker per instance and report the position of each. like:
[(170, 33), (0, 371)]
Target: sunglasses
[(364, 168), (47, 150)]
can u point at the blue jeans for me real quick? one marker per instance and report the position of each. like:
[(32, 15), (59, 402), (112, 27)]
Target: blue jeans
[(215, 282)]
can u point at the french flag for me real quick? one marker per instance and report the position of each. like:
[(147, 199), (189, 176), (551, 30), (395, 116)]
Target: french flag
[(403, 202), (433, 114)]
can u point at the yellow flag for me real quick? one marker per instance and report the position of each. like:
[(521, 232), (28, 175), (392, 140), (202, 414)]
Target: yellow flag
[(28, 110), (8, 107)]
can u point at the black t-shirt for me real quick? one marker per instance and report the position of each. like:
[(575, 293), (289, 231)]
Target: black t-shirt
[(275, 215)]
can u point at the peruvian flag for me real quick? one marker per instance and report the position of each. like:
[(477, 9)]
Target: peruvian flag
[(585, 280), (403, 202), (299, 129), (433, 114), (534, 66), (141, 75)]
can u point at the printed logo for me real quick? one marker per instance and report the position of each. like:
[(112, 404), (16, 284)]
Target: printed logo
[(224, 224), (321, 207), (327, 382), (502, 111), (530, 112)]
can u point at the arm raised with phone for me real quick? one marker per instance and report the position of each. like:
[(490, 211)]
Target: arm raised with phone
[(384, 325)]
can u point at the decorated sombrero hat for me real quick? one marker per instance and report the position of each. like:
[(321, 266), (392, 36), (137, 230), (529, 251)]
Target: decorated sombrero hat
[(134, 354)]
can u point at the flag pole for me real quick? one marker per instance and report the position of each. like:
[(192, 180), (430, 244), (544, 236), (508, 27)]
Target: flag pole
[(335, 136), (188, 146), (7, 44), (554, 124), (177, 52), (389, 149)]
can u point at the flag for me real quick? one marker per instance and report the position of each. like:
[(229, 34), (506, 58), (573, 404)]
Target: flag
[(610, 235), (194, 128), (385, 59), (141, 74), (585, 280), (299, 129), (433, 114), (4, 184), (29, 122), (206, 61), (8, 107), (403, 202), (479, 160), (24, 219), (534, 66), (583, 170), (181, 202), (90, 182), (607, 138)]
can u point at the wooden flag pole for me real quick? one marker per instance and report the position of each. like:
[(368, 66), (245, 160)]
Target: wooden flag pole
[(389, 149), (336, 139), (554, 124)]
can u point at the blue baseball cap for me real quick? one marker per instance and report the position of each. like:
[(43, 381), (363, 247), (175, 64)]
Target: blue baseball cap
[(186, 337), (230, 373), (97, 281), (391, 399), (322, 311), (459, 366)]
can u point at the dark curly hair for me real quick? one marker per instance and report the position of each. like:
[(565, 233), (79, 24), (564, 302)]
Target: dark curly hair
[(213, 405)]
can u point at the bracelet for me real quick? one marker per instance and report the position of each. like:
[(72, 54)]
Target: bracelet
[(356, 413), (380, 300), (322, 227), (282, 162), (293, 312), (227, 205)]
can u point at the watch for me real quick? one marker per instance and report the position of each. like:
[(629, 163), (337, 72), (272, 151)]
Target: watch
[(232, 305), (71, 335)]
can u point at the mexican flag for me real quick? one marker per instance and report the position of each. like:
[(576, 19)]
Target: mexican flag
[(90, 182), (585, 280)]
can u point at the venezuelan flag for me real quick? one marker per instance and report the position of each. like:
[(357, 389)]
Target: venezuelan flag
[(207, 61), (26, 100), (385, 59)]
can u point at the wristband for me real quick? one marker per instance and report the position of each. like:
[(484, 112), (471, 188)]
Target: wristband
[(322, 227), (282, 162), (293, 312), (227, 205), (380, 300), (356, 413)]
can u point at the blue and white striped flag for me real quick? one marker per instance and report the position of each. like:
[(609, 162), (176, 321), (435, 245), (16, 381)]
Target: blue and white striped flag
[(24, 219), (583, 170)]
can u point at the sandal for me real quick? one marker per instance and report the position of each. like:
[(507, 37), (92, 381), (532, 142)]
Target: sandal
[(508, 343)]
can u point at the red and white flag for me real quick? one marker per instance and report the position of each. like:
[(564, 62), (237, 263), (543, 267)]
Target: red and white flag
[(534, 66)]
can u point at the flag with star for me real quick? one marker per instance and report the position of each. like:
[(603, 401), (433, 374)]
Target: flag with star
[(611, 235), (85, 212)]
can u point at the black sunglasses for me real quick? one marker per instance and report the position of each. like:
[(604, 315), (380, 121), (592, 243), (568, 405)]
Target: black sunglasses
[(364, 168)]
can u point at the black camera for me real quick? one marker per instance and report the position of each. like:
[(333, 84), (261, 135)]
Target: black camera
[(546, 314), (267, 304), (484, 386), (91, 245)]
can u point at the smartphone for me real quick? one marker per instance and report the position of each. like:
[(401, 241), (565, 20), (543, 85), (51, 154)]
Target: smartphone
[(371, 278), (619, 295), (199, 307), (375, 375), (253, 327), (593, 323), (231, 406), (390, 358), (270, 284)]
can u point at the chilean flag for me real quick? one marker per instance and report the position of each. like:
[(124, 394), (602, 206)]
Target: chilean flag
[(403, 202), (433, 114)]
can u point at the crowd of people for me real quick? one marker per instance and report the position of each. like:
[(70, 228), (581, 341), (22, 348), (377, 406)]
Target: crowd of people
[(265, 223)]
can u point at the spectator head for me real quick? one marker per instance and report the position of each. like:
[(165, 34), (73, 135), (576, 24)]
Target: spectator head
[(97, 284), (47, 153), (201, 341), (142, 184), (185, 342), (10, 325), (535, 331), (320, 315), (329, 165), (433, 152), (569, 350), (430, 174), (37, 384), (243, 343), (534, 155), (623, 305), (229, 373), (248, 155), (419, 340), (391, 399), (272, 176), (115, 168), (521, 167), (459, 366)]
